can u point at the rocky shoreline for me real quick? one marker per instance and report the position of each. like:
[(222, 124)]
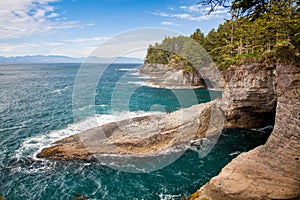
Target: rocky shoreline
[(140, 136), (252, 95), (249, 95), (270, 171), (163, 76)]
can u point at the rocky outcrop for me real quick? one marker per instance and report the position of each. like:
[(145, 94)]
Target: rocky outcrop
[(249, 95), (271, 171), (141, 136), (170, 77), (155, 70)]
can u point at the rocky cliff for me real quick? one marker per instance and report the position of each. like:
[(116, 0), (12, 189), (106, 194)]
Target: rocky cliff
[(169, 77), (141, 136), (249, 95), (271, 171)]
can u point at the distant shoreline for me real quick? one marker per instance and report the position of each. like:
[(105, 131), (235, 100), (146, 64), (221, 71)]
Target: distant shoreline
[(52, 59)]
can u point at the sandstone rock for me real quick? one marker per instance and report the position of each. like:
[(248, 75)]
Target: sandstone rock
[(155, 70), (141, 136), (169, 77), (249, 95), (270, 171)]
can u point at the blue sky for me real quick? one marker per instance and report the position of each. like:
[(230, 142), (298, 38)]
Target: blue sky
[(77, 27)]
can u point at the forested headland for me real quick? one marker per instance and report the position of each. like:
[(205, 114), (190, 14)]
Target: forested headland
[(267, 34)]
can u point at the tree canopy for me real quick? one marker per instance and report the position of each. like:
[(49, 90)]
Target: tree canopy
[(275, 34), (250, 8), (185, 52), (262, 31)]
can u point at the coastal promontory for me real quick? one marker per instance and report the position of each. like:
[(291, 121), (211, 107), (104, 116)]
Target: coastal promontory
[(164, 76), (140, 136), (270, 171)]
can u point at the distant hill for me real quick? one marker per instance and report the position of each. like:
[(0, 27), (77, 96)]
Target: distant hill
[(65, 59), (94, 59)]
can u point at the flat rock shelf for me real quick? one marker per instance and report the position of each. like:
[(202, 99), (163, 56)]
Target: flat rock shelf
[(140, 136)]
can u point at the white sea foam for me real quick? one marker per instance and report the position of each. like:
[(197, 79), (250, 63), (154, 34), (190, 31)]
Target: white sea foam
[(144, 77), (127, 69), (235, 153), (31, 146), (168, 196), (144, 83), (215, 89), (102, 105), (142, 163), (60, 90), (263, 129), (134, 74), (137, 82)]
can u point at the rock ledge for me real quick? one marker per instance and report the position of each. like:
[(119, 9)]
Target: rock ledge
[(140, 136)]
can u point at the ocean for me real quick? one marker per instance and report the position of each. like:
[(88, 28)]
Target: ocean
[(37, 108)]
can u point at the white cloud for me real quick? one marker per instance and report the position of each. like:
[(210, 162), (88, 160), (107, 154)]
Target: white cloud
[(52, 15), (197, 8), (20, 18), (78, 47), (192, 8), (15, 49), (136, 41), (221, 10), (167, 23), (90, 24), (162, 14), (52, 44), (56, 48), (182, 16), (187, 16), (79, 51), (91, 39), (194, 13), (193, 18)]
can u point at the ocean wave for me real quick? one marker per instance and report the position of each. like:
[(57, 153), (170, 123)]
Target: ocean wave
[(235, 153), (169, 196), (126, 69), (31, 146), (143, 162), (101, 105), (263, 129), (60, 90), (134, 74), (144, 83)]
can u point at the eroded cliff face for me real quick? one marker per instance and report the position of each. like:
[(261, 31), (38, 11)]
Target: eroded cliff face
[(169, 77), (270, 171), (249, 95)]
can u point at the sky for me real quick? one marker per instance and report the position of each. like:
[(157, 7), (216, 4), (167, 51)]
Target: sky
[(77, 27)]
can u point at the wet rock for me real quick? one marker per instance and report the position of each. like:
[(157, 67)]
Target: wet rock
[(270, 171), (249, 95), (170, 77), (140, 136)]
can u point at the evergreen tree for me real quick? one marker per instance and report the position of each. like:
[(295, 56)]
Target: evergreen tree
[(270, 30)]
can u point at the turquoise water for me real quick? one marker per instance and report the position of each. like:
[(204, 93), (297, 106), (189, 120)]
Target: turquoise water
[(36, 109)]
